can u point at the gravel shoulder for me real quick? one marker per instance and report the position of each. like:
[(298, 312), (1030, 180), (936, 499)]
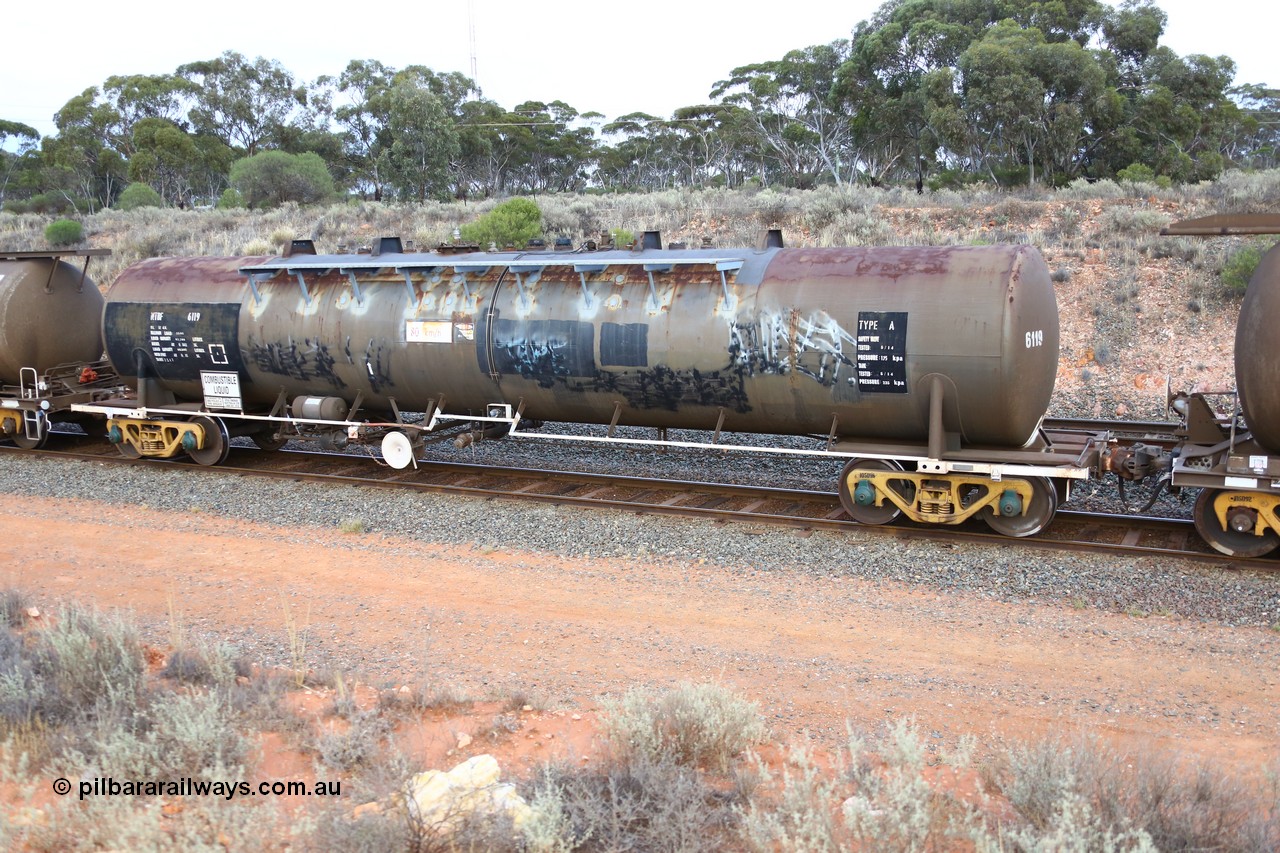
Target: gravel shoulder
[(499, 597)]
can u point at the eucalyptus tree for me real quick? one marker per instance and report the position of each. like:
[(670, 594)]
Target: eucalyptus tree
[(81, 162), (554, 150), (703, 137), (243, 103), (1030, 101), (637, 155), (486, 151), (25, 138), (135, 97), (1255, 143), (363, 117), (178, 165), (794, 111), (423, 142)]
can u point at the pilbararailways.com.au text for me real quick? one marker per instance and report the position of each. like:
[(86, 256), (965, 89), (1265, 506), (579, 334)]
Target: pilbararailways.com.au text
[(188, 787)]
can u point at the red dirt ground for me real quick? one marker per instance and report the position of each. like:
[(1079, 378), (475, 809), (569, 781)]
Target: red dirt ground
[(815, 653)]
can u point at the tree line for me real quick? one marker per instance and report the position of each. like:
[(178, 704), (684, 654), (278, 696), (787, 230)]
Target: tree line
[(926, 92)]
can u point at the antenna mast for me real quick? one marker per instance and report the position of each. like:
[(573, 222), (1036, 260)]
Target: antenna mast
[(471, 32)]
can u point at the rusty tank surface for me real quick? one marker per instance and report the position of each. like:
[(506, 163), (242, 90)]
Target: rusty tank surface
[(50, 312), (845, 342), (1257, 355)]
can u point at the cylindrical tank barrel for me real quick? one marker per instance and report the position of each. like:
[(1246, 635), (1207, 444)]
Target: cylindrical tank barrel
[(1258, 352), (50, 314), (797, 341)]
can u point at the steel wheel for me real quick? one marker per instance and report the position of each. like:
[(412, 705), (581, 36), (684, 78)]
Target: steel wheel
[(1233, 543), (21, 439), (217, 444), (870, 513), (1044, 503)]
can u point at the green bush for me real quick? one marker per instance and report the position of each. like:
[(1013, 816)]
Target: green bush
[(1239, 266), (230, 199), (513, 223), (271, 178), (1136, 173), (64, 232), (139, 195)]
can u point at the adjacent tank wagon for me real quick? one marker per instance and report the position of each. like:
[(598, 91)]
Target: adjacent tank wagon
[(1231, 450), (50, 341)]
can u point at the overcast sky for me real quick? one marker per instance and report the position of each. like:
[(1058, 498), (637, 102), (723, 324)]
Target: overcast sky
[(651, 56)]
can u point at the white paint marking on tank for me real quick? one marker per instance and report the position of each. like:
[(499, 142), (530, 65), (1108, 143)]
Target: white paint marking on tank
[(1240, 482)]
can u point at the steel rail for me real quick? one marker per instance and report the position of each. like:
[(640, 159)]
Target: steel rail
[(803, 510)]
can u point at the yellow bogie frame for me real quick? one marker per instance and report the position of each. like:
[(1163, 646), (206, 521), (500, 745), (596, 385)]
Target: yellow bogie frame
[(157, 439), (931, 499)]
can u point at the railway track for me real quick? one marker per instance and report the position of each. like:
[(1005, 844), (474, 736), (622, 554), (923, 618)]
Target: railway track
[(802, 510)]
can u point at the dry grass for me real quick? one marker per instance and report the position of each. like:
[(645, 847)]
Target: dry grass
[(828, 216), (75, 701)]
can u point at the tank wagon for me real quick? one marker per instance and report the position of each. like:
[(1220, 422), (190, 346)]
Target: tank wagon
[(927, 370), (50, 342), (1231, 440)]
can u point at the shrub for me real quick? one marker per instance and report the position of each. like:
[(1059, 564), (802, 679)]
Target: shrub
[(1238, 268), (43, 203), (230, 199), (1105, 799), (632, 805), (688, 724), (219, 665), (139, 195), (801, 819), (14, 604), (513, 223), (89, 665), (271, 178), (64, 232), (357, 746), (1136, 173), (1128, 220), (180, 735)]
